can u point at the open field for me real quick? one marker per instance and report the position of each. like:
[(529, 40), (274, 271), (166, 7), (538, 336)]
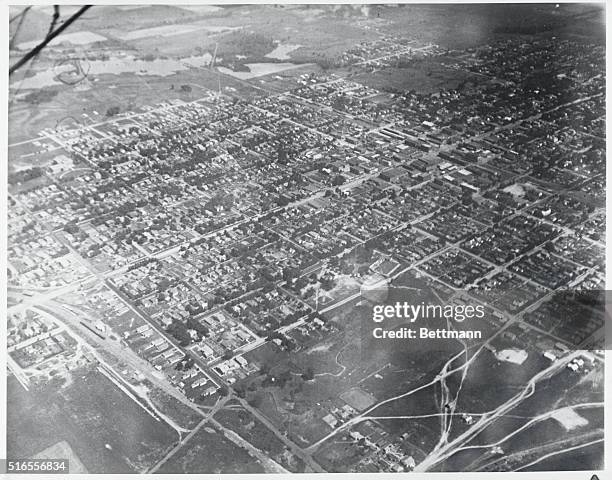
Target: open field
[(127, 439), (209, 451), (423, 76), (128, 91), (346, 369), (75, 38), (257, 434), (577, 391), (579, 459)]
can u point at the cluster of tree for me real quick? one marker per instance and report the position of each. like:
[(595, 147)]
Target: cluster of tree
[(194, 308), (247, 44), (282, 201), (220, 200), (112, 111), (381, 240), (290, 273), (308, 374), (338, 180), (200, 329), (339, 102), (40, 96), (25, 175), (185, 363), (297, 284), (71, 227), (327, 282), (28, 227), (286, 342), (179, 331)]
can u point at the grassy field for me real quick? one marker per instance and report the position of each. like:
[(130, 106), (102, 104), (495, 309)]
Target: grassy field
[(427, 76), (346, 368), (575, 389), (580, 459), (180, 413), (258, 435), (538, 435), (126, 440), (465, 26), (127, 90), (209, 451), (506, 376)]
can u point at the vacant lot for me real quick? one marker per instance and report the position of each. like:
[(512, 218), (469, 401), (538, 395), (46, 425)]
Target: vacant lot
[(426, 76), (126, 440), (209, 451), (257, 434), (358, 399)]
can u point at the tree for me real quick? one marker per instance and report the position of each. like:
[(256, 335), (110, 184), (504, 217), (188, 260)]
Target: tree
[(186, 363), (327, 283), (71, 227), (112, 111), (338, 180), (308, 374), (180, 333), (282, 201), (466, 199), (283, 378), (240, 391)]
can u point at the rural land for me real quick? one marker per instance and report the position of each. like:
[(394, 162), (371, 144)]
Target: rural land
[(205, 204)]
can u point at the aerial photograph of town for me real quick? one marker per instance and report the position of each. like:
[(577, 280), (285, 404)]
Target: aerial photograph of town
[(306, 238)]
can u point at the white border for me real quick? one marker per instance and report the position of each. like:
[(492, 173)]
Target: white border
[(586, 475)]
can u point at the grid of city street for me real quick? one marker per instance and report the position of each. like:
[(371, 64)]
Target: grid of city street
[(205, 205)]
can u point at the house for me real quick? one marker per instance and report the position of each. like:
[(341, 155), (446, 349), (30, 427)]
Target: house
[(206, 351), (209, 391), (241, 361)]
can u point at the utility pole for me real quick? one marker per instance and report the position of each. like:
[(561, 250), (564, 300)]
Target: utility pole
[(214, 57)]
